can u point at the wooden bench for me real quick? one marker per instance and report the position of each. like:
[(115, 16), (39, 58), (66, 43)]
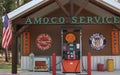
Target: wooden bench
[(40, 66)]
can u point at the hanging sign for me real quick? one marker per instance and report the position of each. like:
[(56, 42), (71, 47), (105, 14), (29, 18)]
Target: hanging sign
[(97, 41), (70, 37), (26, 44), (44, 41), (115, 42)]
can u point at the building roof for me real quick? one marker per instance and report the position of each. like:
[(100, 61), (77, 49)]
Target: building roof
[(112, 4), (25, 8)]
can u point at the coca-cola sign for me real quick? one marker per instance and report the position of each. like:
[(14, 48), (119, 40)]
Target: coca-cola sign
[(44, 41)]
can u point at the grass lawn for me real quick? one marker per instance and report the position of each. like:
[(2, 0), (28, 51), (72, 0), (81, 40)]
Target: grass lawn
[(8, 67)]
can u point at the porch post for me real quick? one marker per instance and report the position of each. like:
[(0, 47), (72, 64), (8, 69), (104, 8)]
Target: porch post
[(14, 51)]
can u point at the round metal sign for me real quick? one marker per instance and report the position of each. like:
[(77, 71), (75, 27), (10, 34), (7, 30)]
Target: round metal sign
[(44, 41), (97, 41), (70, 37)]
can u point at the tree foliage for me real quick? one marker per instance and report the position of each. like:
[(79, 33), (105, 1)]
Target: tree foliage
[(7, 6)]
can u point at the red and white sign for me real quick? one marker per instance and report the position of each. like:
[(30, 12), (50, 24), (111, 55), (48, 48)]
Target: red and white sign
[(44, 41)]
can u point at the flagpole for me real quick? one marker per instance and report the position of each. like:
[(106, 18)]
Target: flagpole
[(6, 55)]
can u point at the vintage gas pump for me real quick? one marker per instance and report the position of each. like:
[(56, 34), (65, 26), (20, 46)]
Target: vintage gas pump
[(71, 50)]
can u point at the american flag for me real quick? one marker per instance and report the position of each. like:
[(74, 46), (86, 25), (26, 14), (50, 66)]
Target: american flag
[(7, 33)]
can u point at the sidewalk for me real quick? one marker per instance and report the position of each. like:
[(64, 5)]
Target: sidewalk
[(8, 72)]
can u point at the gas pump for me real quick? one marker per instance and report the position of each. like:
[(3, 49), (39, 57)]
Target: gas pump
[(71, 50)]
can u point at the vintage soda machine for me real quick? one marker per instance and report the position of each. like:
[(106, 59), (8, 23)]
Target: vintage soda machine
[(71, 50)]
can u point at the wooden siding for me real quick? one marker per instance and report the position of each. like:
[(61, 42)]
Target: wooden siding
[(54, 32)]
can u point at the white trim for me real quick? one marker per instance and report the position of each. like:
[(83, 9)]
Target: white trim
[(113, 3), (109, 4)]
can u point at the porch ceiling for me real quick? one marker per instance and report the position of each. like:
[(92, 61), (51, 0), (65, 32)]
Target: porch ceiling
[(90, 7), (34, 4), (93, 6)]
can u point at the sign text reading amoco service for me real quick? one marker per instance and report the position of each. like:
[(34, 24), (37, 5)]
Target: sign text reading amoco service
[(74, 20)]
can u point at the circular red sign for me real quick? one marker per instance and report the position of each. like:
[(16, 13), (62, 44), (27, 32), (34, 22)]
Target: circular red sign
[(44, 41), (70, 37)]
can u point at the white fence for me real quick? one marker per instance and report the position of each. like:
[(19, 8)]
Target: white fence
[(95, 60)]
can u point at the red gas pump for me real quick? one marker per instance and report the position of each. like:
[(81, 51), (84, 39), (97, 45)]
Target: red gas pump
[(71, 50), (72, 66)]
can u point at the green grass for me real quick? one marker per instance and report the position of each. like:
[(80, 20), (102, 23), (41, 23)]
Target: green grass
[(8, 67)]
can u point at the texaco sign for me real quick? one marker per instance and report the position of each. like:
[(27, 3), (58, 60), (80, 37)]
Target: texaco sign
[(44, 41)]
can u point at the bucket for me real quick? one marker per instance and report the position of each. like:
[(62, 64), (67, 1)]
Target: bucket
[(100, 67), (110, 65)]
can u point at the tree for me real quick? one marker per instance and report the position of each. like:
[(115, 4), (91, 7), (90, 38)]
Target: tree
[(21, 2), (2, 9), (25, 1), (7, 6)]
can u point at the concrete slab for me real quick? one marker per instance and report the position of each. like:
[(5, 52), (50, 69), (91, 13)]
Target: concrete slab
[(106, 73), (8, 72)]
